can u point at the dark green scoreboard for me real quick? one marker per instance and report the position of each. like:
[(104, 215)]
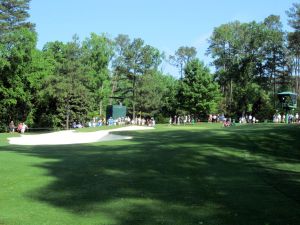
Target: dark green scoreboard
[(115, 111)]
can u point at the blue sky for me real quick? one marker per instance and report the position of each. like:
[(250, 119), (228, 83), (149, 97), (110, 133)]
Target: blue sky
[(164, 24)]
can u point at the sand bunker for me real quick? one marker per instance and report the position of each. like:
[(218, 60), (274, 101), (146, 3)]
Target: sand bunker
[(72, 137)]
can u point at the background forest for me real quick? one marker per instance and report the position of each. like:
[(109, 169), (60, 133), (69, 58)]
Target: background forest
[(75, 81)]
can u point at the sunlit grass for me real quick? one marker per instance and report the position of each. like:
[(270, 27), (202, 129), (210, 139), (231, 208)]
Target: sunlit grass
[(195, 174)]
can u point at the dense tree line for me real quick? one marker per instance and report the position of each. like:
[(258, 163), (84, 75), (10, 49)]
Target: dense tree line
[(252, 65), (77, 80)]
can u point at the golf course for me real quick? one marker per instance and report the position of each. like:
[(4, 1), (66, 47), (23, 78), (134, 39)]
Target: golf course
[(200, 174)]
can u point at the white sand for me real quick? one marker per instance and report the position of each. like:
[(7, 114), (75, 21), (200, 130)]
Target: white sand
[(72, 137)]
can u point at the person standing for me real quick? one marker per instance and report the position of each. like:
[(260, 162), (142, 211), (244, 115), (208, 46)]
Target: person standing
[(170, 121), (24, 127), (19, 128), (175, 120), (11, 127), (250, 119), (279, 118)]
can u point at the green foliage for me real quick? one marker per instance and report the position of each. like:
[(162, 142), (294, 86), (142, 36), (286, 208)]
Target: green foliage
[(15, 96), (152, 93), (14, 15), (294, 46), (294, 15), (254, 100), (97, 52), (134, 59), (75, 81), (249, 57), (169, 99), (182, 56), (71, 100), (198, 94)]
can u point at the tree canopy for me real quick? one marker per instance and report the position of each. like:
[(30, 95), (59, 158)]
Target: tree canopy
[(75, 81), (198, 94)]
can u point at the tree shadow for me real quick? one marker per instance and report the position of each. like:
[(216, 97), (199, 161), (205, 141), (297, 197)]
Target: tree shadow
[(176, 177)]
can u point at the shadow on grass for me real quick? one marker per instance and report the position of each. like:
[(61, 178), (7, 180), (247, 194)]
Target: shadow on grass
[(221, 176)]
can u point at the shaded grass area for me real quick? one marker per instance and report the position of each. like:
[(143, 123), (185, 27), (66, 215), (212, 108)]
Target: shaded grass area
[(172, 175)]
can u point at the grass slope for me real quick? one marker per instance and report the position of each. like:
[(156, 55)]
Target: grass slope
[(171, 175)]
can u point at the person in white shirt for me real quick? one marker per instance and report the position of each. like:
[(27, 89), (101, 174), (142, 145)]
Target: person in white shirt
[(250, 119), (24, 127)]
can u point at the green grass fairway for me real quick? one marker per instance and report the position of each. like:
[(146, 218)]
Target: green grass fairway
[(204, 174)]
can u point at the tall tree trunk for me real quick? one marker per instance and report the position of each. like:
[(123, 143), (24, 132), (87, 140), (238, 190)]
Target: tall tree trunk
[(101, 102), (113, 89), (273, 76), (181, 71), (68, 114), (230, 95), (134, 96), (274, 90), (297, 74), (68, 119), (100, 108)]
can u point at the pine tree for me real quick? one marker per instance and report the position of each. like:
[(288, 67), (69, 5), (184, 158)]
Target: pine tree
[(294, 44), (14, 15), (198, 94)]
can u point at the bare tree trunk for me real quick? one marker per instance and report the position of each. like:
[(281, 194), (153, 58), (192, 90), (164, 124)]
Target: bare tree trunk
[(113, 89), (230, 94), (297, 74), (100, 108), (181, 71), (274, 90), (101, 101), (273, 76), (67, 114), (68, 118), (134, 97)]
